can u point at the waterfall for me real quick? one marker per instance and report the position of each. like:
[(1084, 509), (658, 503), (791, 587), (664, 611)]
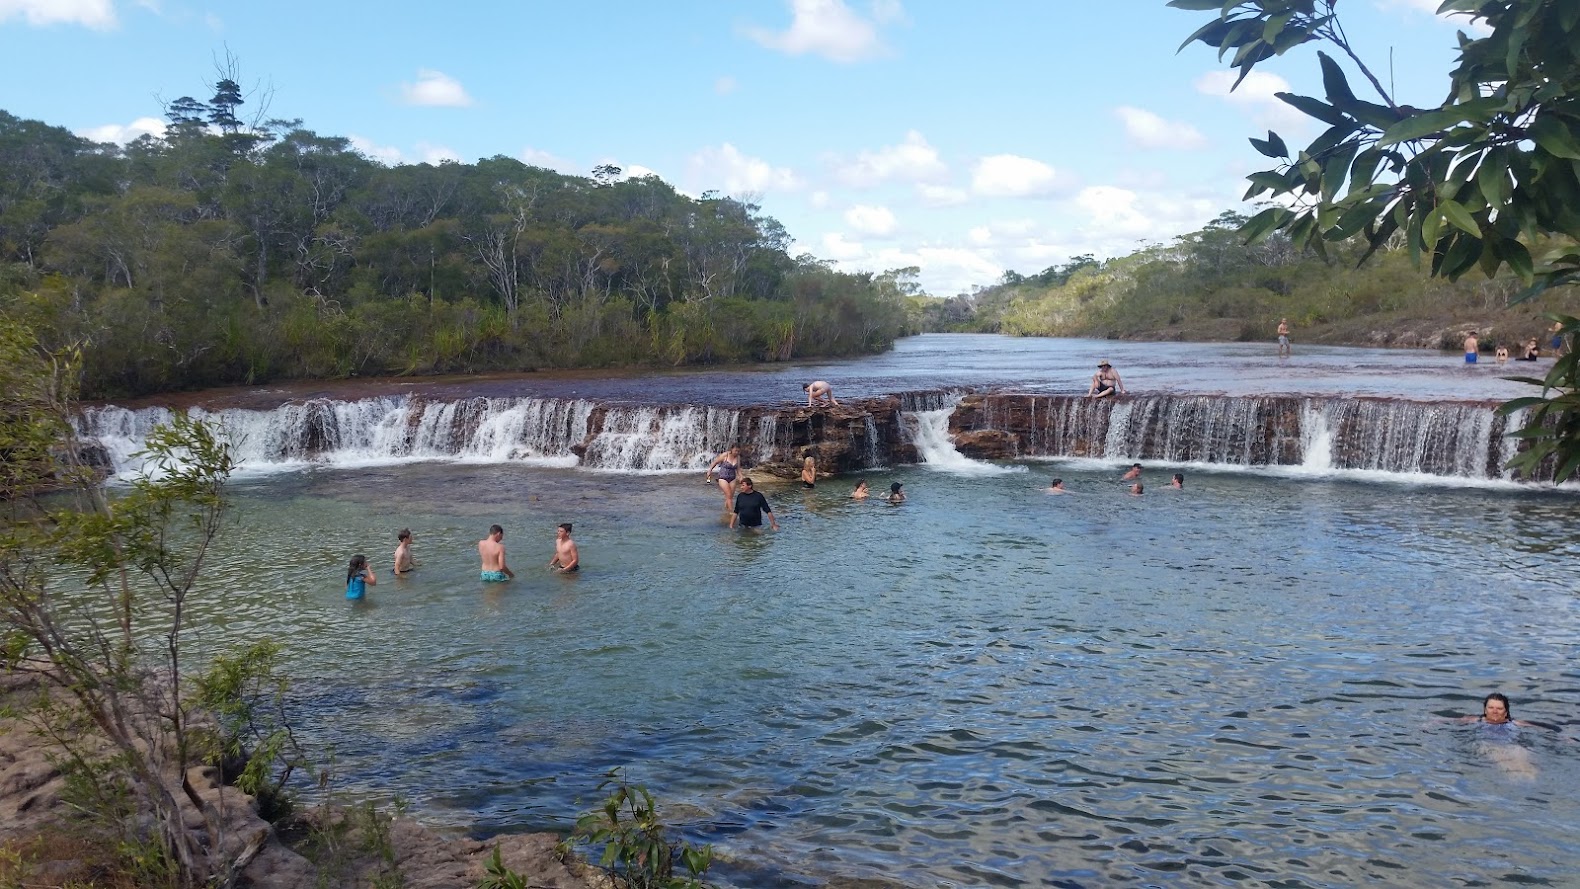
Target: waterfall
[(1319, 435), (928, 431), (549, 432)]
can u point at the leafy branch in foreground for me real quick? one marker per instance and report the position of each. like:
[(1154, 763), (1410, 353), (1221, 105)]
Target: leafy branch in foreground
[(1480, 180), (636, 846)]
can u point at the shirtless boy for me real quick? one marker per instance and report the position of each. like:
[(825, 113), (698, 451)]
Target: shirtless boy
[(404, 563), (492, 553), (566, 560)]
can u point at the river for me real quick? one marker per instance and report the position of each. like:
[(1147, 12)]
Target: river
[(1237, 683)]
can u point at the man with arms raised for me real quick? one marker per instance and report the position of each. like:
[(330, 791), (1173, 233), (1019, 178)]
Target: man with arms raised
[(492, 553)]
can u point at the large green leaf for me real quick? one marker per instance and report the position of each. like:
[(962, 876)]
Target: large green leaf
[(1555, 136)]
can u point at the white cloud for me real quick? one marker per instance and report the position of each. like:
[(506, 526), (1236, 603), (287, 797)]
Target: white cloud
[(837, 248), (435, 154), (725, 85), (869, 220), (1148, 130), (1013, 176), (941, 195), (818, 199), (547, 160), (435, 88), (913, 160), (384, 154), (830, 29), (1429, 7), (637, 171), (1256, 94), (727, 168), (124, 133), (97, 14)]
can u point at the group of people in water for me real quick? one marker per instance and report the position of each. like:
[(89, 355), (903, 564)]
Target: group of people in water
[(1132, 476), (1529, 350), (490, 550)]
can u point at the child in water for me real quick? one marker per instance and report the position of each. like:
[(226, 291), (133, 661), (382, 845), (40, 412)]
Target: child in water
[(809, 473), (359, 576)]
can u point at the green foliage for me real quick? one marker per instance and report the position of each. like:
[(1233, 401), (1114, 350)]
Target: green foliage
[(635, 843), (500, 877), (233, 253), (245, 696), (1553, 426), (1474, 182)]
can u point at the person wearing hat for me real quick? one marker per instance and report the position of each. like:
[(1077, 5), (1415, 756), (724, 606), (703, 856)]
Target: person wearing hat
[(1105, 382), (895, 494)]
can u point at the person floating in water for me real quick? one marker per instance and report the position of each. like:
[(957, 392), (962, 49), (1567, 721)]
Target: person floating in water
[(862, 492), (1057, 487), (750, 505), (1105, 382), (1472, 347), (809, 472), (1499, 736), (724, 468), (1136, 490), (897, 493), (404, 563), (1131, 474), (1178, 481), (819, 392), (492, 551), (359, 576), (566, 559), (1283, 337)]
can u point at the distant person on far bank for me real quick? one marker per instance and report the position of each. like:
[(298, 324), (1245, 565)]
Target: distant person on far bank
[(1105, 382), (819, 394), (1283, 337), (1558, 338), (1131, 474), (1472, 347), (750, 504), (566, 559)]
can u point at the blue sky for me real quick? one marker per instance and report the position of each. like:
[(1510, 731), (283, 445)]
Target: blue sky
[(963, 138)]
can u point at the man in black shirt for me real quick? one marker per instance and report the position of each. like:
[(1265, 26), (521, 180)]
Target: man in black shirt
[(750, 505)]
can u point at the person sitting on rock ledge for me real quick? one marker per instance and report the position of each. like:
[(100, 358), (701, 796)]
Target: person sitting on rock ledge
[(819, 392), (1105, 382)]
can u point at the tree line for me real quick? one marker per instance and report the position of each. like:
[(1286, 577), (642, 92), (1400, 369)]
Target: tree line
[(227, 253), (1211, 284)]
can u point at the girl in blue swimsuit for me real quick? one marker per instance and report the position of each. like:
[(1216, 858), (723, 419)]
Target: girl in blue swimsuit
[(359, 577)]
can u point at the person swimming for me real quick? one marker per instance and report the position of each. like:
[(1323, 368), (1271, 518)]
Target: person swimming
[(896, 493), (862, 492)]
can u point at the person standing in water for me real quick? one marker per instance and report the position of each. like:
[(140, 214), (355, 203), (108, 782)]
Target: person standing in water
[(1131, 474), (1178, 481), (566, 559), (491, 550), (404, 563), (724, 467), (1472, 347), (750, 505), (809, 472), (359, 576), (897, 492), (1283, 337)]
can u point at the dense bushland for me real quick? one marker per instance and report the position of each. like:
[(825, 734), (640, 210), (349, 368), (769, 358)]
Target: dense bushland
[(223, 253)]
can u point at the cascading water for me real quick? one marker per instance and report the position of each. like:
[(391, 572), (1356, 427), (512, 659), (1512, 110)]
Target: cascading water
[(928, 431)]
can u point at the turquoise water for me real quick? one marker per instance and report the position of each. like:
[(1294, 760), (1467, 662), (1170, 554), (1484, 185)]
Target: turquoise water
[(1234, 684)]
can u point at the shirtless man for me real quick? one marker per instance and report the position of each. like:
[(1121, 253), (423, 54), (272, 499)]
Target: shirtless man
[(1105, 382), (819, 392), (492, 553), (1131, 474), (1472, 346), (1057, 487), (404, 563), (566, 560), (1283, 337)]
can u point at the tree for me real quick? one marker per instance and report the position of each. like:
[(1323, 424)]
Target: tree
[(94, 596), (1476, 181)]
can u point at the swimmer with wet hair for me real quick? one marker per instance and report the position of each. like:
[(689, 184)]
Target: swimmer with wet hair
[(1057, 487)]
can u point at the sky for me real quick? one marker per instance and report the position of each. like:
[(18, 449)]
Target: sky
[(965, 139)]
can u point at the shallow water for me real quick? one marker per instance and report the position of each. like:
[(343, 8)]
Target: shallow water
[(1234, 684)]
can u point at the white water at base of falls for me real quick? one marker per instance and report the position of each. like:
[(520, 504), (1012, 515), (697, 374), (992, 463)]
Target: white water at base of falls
[(929, 432)]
